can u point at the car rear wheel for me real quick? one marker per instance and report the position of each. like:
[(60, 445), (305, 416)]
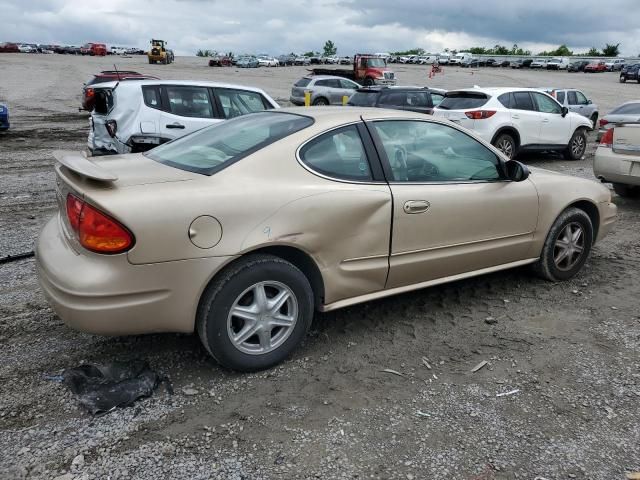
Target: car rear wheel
[(628, 191), (577, 145), (321, 101), (255, 313), (506, 144), (567, 246)]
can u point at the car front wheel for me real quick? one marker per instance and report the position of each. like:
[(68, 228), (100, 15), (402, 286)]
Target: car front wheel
[(567, 246), (577, 145), (255, 313)]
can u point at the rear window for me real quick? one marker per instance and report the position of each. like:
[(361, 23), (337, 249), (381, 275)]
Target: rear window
[(211, 149), (364, 99), (630, 108), (303, 82), (463, 100), (103, 101)]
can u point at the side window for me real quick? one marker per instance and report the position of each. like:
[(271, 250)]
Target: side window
[(436, 98), (240, 102), (189, 101), (338, 154), (363, 63), (505, 99), (582, 100), (430, 152), (522, 101), (348, 84), (560, 97), (334, 83), (322, 83), (152, 97), (572, 97), (546, 104), (394, 99), (418, 100)]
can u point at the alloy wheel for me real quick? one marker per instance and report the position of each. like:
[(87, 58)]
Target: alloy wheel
[(262, 317), (578, 146), (506, 147), (569, 246)]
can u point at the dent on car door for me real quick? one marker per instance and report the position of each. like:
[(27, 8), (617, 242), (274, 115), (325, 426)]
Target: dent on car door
[(453, 213), (347, 209)]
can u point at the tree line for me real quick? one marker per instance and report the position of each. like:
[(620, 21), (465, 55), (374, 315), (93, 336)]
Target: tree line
[(329, 50), (609, 50)]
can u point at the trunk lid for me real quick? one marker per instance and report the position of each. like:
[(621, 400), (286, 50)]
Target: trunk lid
[(626, 139)]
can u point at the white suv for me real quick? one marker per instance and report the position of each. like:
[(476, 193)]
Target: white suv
[(517, 119), (135, 116)]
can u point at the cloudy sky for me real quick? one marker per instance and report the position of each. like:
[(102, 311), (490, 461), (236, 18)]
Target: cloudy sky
[(279, 26)]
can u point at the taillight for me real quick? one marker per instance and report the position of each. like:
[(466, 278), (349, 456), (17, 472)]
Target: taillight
[(112, 127), (480, 114), (97, 231), (603, 122), (89, 92), (74, 209), (607, 139)]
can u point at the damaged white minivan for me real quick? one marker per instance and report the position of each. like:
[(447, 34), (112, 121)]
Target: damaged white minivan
[(136, 116)]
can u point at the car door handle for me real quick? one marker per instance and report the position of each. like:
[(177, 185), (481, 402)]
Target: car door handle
[(515, 117), (545, 120), (174, 125), (416, 206)]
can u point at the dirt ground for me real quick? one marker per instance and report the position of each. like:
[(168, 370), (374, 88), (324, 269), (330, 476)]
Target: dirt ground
[(571, 349)]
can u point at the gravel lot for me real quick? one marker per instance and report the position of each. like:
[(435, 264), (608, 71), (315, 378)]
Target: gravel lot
[(571, 349)]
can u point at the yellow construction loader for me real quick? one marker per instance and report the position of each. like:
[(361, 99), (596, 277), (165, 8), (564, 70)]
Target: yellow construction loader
[(159, 53)]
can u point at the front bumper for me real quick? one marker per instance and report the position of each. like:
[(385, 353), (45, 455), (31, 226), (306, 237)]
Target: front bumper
[(608, 214), (107, 295), (384, 81)]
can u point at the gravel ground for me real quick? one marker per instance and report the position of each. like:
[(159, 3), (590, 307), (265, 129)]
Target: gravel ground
[(570, 349)]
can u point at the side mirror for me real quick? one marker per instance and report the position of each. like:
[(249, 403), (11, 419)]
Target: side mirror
[(589, 102), (516, 171), (565, 110)]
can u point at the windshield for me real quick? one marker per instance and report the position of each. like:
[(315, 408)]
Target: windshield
[(376, 62), (213, 148), (463, 100), (363, 99), (556, 60)]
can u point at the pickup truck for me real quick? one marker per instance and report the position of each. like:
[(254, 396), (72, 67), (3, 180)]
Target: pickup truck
[(367, 70)]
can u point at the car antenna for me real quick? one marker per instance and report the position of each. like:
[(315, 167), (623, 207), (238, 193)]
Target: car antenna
[(118, 74)]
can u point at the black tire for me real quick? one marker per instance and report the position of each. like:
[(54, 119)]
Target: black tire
[(627, 191), (321, 102), (507, 145), (368, 82), (221, 294), (594, 121), (546, 266), (623, 79), (577, 145)]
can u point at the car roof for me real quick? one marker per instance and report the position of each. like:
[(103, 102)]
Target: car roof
[(495, 91), (189, 83), (324, 77), (381, 88), (336, 115)]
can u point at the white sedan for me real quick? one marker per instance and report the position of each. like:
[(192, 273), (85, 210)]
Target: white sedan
[(268, 62)]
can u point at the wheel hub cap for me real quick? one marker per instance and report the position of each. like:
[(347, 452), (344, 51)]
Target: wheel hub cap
[(262, 317), (569, 246)]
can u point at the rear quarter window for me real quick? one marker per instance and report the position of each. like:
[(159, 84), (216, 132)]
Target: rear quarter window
[(303, 82), (463, 100), (364, 99)]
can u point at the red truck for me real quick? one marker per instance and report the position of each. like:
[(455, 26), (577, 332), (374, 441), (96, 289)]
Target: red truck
[(94, 49), (367, 70)]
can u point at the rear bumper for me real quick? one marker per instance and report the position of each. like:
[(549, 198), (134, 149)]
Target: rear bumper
[(616, 168), (107, 295)]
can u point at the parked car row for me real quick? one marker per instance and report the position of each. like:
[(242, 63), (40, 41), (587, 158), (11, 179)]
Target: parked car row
[(92, 49)]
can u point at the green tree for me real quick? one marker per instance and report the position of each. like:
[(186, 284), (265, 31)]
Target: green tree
[(593, 52), (330, 49), (413, 51), (611, 50)]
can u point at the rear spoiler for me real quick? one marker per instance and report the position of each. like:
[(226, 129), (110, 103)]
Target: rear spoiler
[(79, 163)]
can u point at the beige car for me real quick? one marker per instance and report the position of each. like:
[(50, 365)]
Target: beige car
[(242, 230), (617, 158)]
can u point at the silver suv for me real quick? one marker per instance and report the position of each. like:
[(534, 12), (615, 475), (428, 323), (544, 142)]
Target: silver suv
[(576, 101), (325, 89)]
